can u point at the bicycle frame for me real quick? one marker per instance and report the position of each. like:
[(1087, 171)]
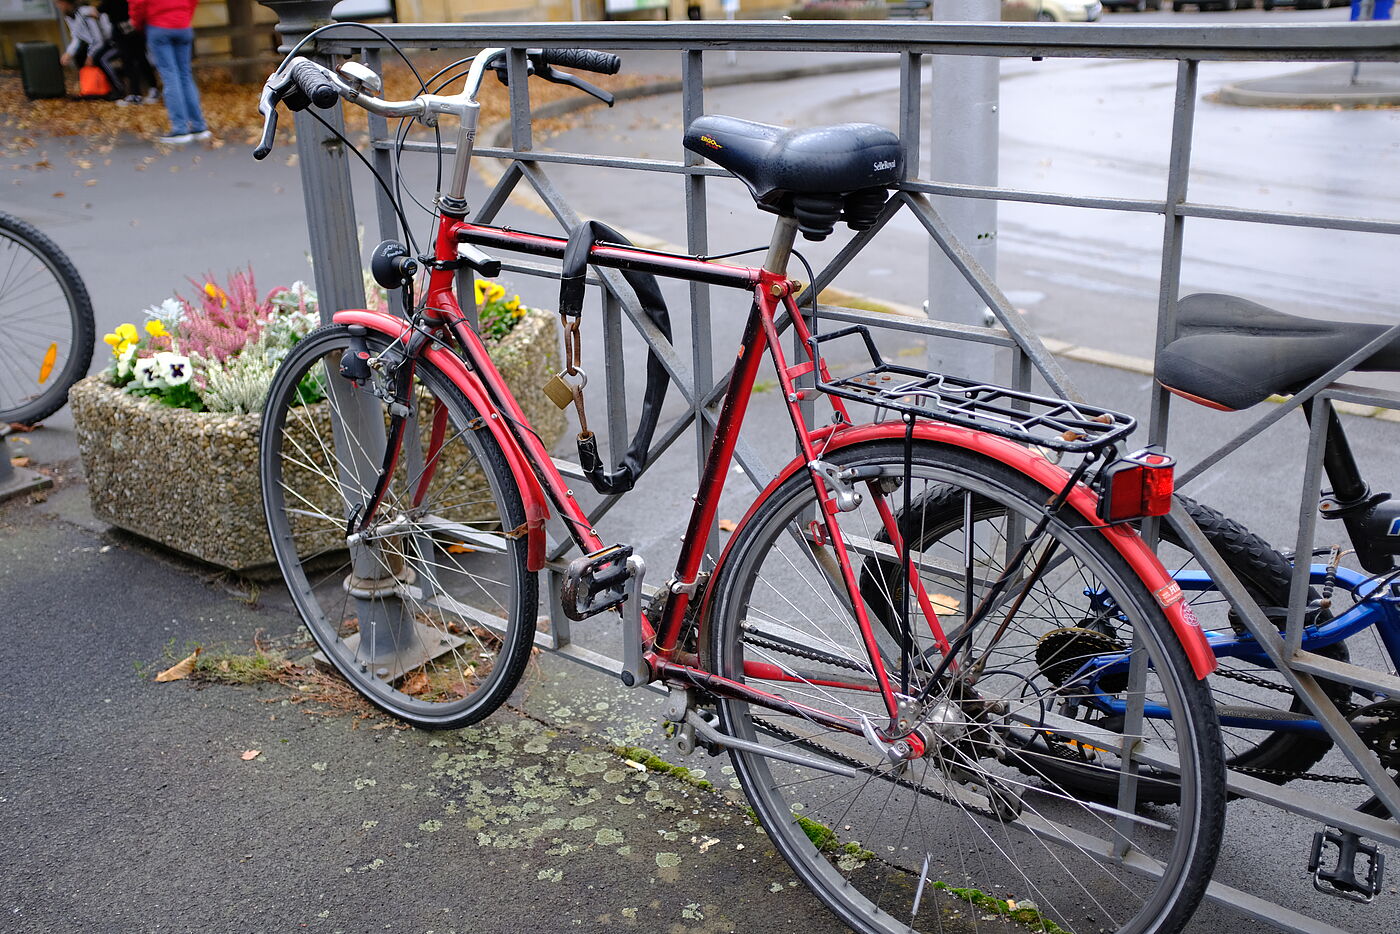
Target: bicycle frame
[(773, 305)]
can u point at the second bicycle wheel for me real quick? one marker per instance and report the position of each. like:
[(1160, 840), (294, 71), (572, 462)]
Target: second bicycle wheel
[(1076, 648), (430, 613), (46, 325)]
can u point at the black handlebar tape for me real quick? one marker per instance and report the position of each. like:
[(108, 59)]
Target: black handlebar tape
[(603, 63), (314, 84)]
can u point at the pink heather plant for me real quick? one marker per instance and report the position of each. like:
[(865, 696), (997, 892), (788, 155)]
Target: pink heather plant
[(223, 321)]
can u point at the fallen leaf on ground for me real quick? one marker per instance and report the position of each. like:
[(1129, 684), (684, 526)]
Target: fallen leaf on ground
[(20, 461), (417, 683), (21, 426), (251, 754), (180, 669), (727, 525), (943, 603)]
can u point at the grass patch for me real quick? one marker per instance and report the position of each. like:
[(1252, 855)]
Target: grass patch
[(1029, 916), (655, 763), (849, 300)]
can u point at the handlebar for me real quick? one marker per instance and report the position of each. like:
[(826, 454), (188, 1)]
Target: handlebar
[(603, 63), (300, 82)]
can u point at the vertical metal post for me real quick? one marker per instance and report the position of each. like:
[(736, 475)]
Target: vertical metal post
[(335, 255), (1174, 227), (384, 165), (698, 242), (963, 146)]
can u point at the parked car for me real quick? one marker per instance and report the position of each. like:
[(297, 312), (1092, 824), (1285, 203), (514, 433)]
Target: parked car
[(1141, 6), (1052, 11)]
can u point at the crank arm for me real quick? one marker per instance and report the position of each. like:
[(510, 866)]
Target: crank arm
[(710, 734)]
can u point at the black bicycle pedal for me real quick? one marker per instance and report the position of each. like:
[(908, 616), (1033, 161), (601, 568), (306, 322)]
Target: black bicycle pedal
[(1343, 879), (596, 582)]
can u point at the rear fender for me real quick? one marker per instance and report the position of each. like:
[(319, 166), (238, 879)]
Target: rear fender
[(536, 505), (1124, 539)]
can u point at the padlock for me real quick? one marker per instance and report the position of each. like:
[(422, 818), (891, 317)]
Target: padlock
[(559, 392)]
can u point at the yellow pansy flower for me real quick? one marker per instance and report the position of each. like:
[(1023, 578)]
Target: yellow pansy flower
[(494, 292), (213, 291), (128, 333), (156, 329)]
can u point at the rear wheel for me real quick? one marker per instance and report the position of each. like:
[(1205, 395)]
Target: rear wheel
[(897, 841), (430, 613), (46, 324)]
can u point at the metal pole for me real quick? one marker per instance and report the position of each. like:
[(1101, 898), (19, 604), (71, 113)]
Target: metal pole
[(963, 145)]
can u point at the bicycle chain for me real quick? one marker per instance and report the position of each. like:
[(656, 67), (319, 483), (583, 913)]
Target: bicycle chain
[(798, 740), (811, 655)]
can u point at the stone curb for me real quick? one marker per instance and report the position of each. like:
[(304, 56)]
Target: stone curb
[(1256, 93)]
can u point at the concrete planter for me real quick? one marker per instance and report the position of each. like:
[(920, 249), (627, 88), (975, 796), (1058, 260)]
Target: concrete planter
[(189, 480)]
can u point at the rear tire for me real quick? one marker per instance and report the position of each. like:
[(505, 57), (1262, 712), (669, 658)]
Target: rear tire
[(440, 575), (893, 839)]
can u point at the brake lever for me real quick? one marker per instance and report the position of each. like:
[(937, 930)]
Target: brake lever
[(550, 73), (267, 106)]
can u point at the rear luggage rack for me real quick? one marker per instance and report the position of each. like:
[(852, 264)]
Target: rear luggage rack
[(1049, 422)]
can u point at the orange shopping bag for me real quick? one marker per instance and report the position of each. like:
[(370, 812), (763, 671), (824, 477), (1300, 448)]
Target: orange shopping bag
[(92, 82)]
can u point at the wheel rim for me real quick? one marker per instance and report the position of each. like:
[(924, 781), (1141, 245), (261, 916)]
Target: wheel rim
[(439, 581), (869, 869), (38, 321)]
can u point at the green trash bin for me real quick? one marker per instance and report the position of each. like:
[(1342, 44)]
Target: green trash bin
[(40, 70)]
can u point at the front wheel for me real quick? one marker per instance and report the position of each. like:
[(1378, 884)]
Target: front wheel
[(897, 842), (46, 324), (430, 611)]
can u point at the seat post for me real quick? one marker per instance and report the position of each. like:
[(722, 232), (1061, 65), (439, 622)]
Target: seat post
[(780, 247)]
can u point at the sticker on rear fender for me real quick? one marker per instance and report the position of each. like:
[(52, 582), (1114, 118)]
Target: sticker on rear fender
[(1188, 615), (1169, 595)]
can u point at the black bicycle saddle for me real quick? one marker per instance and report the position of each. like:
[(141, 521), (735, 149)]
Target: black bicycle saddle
[(1231, 353), (810, 173)]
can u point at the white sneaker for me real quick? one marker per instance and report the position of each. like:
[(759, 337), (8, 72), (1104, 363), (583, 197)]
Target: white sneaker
[(177, 139), (201, 136)]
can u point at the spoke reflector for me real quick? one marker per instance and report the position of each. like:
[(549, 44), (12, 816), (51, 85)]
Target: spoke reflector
[(46, 368)]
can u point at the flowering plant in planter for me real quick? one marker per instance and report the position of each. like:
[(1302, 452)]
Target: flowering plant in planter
[(218, 352)]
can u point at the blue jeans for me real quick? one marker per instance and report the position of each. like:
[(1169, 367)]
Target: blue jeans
[(171, 50)]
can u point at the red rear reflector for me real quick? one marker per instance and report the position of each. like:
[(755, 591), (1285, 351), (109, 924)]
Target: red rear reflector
[(1136, 486)]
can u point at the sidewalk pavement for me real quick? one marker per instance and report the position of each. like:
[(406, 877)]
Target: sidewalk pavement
[(1343, 85), (129, 805)]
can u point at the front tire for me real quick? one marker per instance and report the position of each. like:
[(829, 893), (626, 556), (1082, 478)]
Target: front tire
[(46, 324), (431, 614), (896, 845)]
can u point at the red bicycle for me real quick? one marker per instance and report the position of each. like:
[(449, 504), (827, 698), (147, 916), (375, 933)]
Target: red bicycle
[(942, 661)]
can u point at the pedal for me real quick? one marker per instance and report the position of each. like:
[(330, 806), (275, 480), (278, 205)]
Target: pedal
[(596, 582), (1343, 880)]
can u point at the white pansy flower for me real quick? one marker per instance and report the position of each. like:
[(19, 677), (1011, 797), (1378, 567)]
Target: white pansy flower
[(124, 361), (174, 368), (147, 372)]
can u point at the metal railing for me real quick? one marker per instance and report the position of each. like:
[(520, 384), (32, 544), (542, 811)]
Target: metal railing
[(332, 225)]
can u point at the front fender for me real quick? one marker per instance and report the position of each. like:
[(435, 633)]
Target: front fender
[(536, 505), (1082, 500)]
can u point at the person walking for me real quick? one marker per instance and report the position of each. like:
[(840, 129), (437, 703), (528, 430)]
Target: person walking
[(170, 39)]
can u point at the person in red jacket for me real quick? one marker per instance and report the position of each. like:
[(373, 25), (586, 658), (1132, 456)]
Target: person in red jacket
[(171, 42)]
